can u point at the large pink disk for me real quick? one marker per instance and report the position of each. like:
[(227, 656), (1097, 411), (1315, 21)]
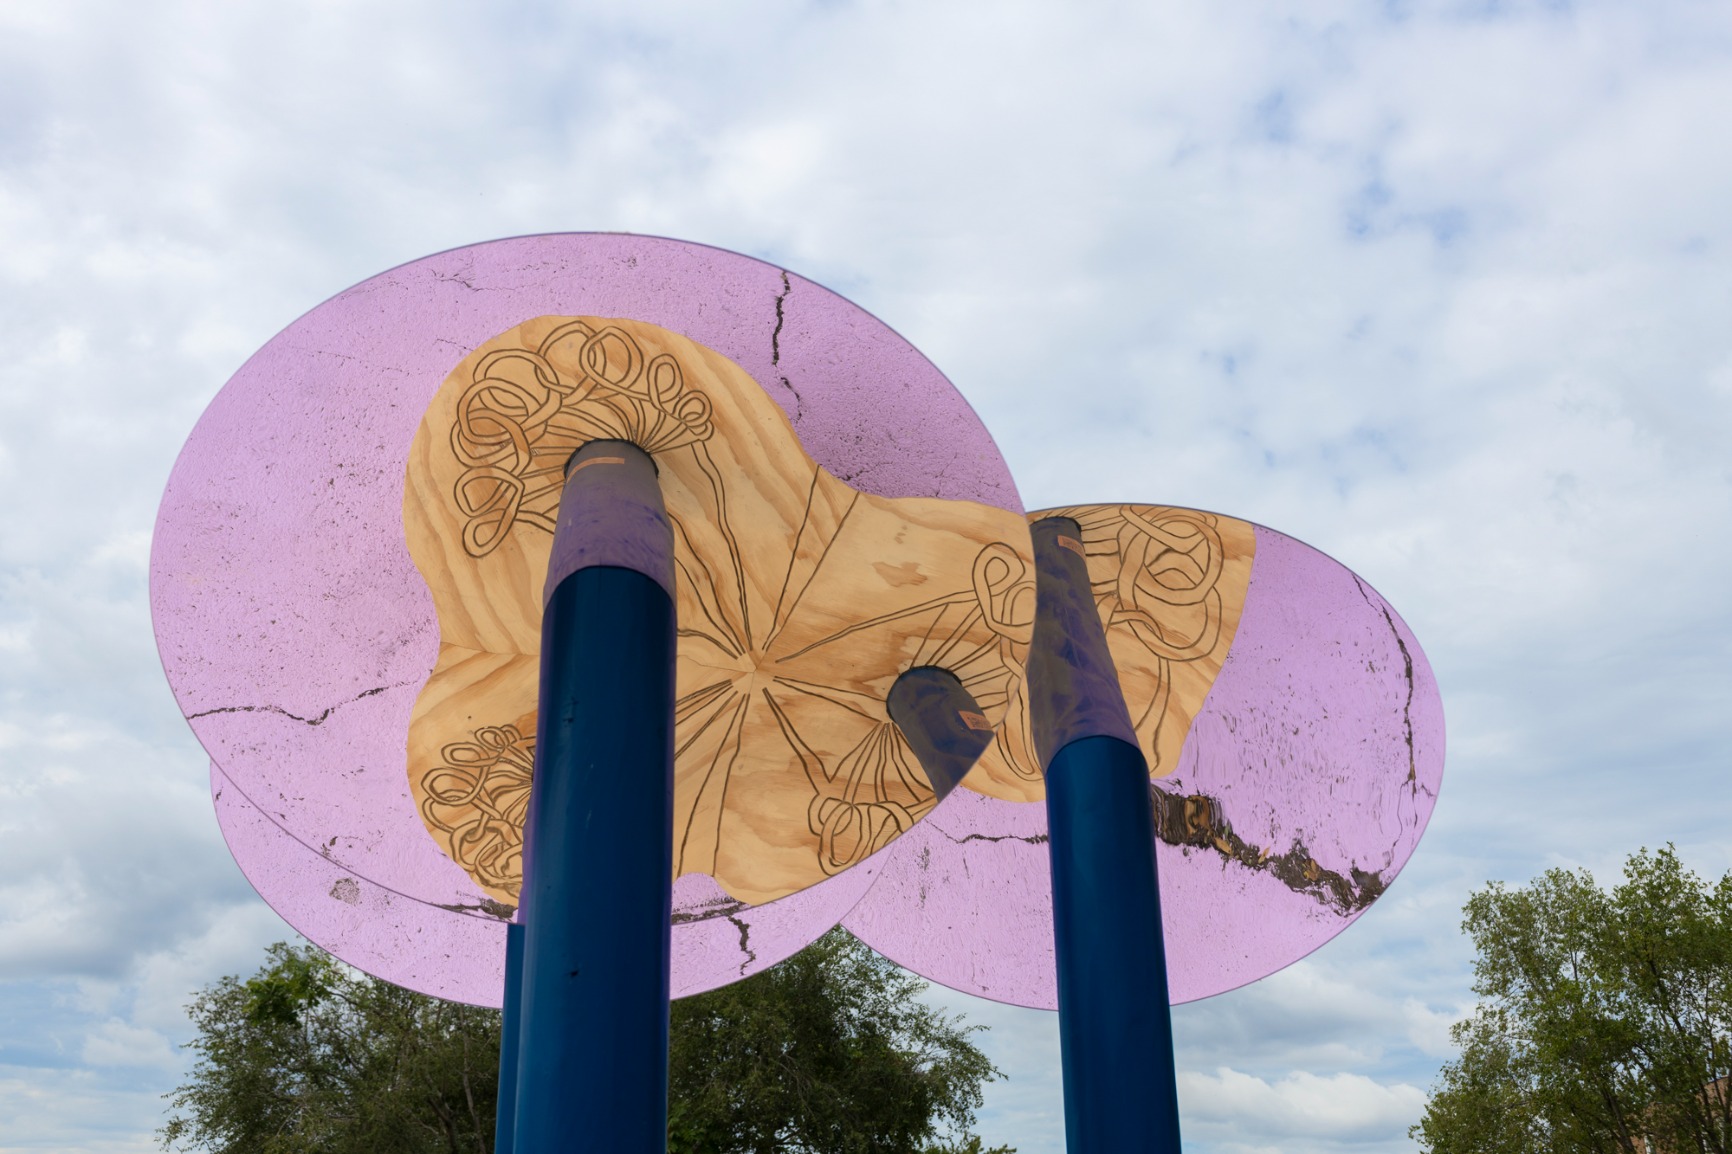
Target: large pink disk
[(296, 632), (460, 954), (1322, 735)]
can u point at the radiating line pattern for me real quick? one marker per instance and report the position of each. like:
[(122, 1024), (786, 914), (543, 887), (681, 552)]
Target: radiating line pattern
[(783, 676), (799, 598)]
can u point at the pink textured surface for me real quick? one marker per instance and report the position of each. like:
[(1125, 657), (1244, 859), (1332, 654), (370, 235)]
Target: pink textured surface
[(1323, 730), (296, 632), (461, 955), (425, 948)]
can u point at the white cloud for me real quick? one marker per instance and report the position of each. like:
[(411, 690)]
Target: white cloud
[(75, 1112), (232, 942), (1343, 1109), (1428, 1029), (114, 1043)]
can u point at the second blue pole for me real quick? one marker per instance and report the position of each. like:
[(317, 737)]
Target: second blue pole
[(1115, 1020)]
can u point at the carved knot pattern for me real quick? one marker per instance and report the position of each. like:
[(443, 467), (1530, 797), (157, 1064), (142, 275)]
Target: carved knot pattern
[(1163, 592), (477, 800), (526, 411), (1005, 593), (1167, 589), (872, 796)]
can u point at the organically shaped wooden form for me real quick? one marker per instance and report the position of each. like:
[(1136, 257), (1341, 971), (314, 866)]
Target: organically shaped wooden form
[(800, 601), (296, 634)]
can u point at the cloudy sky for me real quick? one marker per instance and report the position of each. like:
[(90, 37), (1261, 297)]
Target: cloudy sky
[(1443, 287)]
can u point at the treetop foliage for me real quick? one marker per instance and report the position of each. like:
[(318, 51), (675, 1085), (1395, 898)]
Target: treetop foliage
[(1605, 1020), (830, 1052), (309, 1056)]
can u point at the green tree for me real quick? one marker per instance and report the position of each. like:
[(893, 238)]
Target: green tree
[(1605, 1020), (828, 1053), (309, 1055), (831, 1052)]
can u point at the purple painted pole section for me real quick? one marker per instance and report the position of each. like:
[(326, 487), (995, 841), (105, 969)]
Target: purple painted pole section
[(1115, 1026), (1073, 686), (611, 516), (942, 723)]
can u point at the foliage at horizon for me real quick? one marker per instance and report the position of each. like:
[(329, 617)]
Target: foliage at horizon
[(829, 1052), (309, 1055), (1605, 1019)]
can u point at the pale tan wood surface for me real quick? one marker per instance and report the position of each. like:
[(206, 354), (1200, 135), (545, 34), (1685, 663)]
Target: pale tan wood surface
[(1170, 585), (799, 600)]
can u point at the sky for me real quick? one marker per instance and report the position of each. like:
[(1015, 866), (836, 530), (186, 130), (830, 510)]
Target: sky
[(1442, 288)]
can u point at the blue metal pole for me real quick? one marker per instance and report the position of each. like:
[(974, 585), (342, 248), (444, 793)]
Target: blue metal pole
[(593, 1052), (505, 1120), (1115, 1020)]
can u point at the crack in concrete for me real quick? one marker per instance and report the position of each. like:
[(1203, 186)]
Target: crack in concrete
[(1407, 660), (1412, 782), (1030, 839), (487, 906), (714, 910), (776, 346), (1195, 820), (723, 909), (277, 709), (457, 278), (745, 942)]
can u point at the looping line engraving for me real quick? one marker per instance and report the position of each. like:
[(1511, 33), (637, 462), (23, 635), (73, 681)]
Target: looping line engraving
[(1172, 560), (478, 798), (526, 411), (1168, 584)]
